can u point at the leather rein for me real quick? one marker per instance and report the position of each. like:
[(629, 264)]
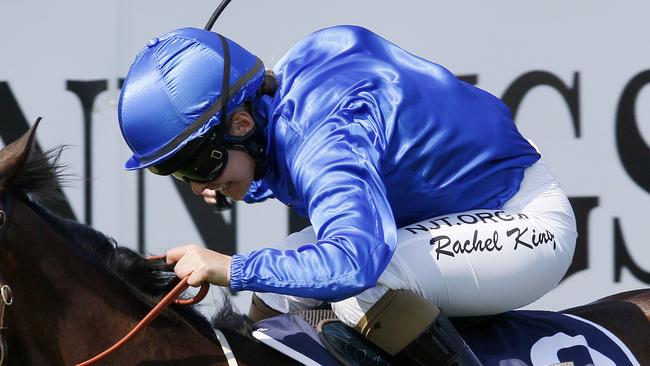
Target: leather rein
[(172, 296), (6, 299)]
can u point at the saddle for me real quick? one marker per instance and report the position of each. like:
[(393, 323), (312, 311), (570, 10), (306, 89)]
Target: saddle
[(317, 337), (515, 338)]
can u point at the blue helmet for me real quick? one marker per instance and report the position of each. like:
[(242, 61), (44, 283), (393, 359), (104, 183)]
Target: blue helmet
[(173, 91)]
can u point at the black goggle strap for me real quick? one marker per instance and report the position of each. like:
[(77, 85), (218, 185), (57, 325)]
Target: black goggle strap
[(211, 163)]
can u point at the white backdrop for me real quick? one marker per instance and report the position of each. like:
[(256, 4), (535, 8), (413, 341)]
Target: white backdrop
[(45, 44)]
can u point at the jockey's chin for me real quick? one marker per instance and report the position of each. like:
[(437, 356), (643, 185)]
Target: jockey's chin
[(236, 191)]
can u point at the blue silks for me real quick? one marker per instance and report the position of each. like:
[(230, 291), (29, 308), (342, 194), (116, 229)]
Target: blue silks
[(364, 137)]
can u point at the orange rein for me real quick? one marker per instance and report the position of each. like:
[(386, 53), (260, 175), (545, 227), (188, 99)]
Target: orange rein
[(172, 296)]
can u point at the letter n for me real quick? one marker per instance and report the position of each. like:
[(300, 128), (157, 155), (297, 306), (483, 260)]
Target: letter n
[(12, 125)]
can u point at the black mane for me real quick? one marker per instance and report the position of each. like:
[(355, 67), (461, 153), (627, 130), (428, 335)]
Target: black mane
[(40, 176), (38, 181)]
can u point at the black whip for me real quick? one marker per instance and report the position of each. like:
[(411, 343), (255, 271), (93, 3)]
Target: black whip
[(216, 14)]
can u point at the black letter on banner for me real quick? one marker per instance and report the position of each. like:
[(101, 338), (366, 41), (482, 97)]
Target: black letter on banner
[(215, 232), (296, 221), (87, 92), (582, 207), (12, 126), (622, 257), (522, 85), (142, 248), (632, 150), (469, 79)]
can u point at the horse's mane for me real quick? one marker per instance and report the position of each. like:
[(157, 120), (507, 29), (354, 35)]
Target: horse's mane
[(38, 181)]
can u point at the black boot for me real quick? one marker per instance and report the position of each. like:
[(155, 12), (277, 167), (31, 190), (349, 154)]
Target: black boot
[(439, 345)]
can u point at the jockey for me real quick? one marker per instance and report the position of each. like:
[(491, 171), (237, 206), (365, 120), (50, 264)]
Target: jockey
[(420, 189)]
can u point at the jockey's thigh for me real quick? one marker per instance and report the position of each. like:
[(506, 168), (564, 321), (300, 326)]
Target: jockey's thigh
[(482, 262), (470, 263)]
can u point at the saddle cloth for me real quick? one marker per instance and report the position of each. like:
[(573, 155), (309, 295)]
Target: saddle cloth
[(515, 338)]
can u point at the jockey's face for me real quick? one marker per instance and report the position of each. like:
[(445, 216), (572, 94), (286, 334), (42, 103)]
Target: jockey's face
[(237, 177)]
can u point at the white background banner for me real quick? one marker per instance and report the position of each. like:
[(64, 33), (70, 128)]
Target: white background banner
[(576, 75)]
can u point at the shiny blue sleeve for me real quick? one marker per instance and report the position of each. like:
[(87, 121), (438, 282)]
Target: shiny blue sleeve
[(335, 169)]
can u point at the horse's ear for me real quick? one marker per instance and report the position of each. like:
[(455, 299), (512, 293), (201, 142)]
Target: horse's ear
[(15, 155)]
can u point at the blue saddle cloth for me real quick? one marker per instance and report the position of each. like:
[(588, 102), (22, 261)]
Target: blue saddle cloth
[(541, 338), (515, 338)]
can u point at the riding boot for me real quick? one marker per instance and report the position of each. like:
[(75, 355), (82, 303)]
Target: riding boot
[(414, 331), (440, 344)]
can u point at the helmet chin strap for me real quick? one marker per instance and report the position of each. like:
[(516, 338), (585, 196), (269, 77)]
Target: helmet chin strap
[(252, 144), (249, 142)]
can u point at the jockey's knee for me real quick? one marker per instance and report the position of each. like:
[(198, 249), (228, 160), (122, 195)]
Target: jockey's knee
[(393, 321), (409, 327)]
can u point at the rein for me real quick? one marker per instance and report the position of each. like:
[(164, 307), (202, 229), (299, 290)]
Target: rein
[(6, 297), (172, 296)]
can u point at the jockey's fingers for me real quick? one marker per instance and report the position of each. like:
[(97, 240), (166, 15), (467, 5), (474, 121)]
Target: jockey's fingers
[(197, 278), (173, 255), (209, 193), (209, 196), (182, 269), (210, 200)]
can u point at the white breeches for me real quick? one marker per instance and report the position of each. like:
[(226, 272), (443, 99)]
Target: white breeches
[(477, 262)]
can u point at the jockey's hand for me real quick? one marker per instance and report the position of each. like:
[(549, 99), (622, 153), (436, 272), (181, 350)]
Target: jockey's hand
[(209, 196), (216, 199), (200, 264)]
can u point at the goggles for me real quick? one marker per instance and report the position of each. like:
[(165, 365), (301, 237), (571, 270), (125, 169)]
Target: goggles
[(199, 162)]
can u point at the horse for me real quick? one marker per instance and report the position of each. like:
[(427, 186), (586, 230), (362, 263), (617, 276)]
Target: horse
[(76, 291)]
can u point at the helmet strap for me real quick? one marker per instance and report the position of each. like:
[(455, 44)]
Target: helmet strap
[(252, 144)]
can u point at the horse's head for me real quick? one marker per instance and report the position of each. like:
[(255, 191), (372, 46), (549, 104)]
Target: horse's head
[(14, 157), (15, 178), (75, 291), (23, 168)]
